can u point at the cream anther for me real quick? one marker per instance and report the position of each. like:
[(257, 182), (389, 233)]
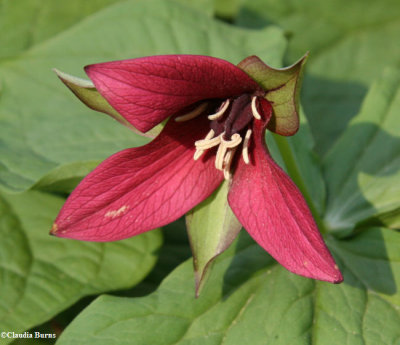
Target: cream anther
[(245, 150), (227, 145), (227, 163), (192, 114), (256, 114), (220, 112), (210, 134), (206, 143), (223, 147), (219, 159), (236, 139), (197, 154)]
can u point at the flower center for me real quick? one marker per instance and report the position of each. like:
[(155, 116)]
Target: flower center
[(230, 126)]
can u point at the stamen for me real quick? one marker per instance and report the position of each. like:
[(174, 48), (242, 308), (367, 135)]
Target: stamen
[(256, 114), (206, 143), (210, 134), (227, 163), (198, 154), (236, 139), (219, 160), (227, 174), (220, 112), (245, 150), (192, 114), (235, 123)]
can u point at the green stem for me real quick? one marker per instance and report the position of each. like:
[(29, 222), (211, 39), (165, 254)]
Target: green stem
[(294, 172)]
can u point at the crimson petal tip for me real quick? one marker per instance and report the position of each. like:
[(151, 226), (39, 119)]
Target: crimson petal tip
[(273, 211)]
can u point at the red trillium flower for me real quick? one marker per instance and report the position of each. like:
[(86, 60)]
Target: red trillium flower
[(217, 117)]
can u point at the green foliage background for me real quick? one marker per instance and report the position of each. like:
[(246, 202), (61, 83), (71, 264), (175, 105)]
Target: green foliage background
[(346, 158)]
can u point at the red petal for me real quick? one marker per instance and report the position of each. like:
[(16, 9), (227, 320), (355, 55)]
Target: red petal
[(272, 209), (139, 189), (148, 90)]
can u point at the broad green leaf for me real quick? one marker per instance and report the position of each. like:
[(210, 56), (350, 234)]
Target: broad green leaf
[(42, 126), (366, 258), (174, 251), (25, 23), (206, 6), (350, 43), (42, 275), (251, 300), (227, 9), (362, 170), (389, 219), (212, 227)]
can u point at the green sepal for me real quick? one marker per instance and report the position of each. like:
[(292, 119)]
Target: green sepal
[(88, 94), (212, 227), (282, 88)]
